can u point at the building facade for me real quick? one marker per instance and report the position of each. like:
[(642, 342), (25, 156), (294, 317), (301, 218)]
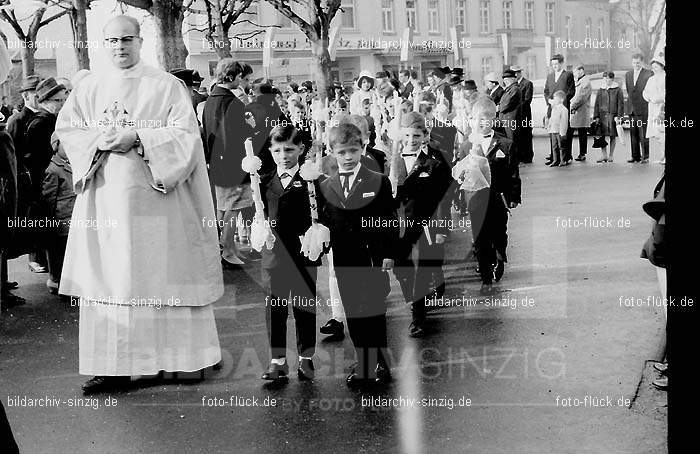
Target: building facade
[(487, 34)]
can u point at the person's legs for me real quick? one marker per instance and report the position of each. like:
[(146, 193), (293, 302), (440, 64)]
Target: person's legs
[(661, 277), (276, 311), (337, 311), (612, 149), (635, 137), (229, 252), (582, 142), (304, 286), (644, 140)]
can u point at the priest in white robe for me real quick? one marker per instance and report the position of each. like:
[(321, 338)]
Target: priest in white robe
[(142, 251)]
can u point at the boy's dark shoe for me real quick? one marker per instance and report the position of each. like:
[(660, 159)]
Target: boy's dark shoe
[(383, 375), (554, 164), (276, 372), (499, 270)]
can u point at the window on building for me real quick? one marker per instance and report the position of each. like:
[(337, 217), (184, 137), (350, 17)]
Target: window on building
[(549, 17), (466, 66), (411, 15), (486, 63), (484, 16), (531, 66), (388, 15), (589, 26), (348, 13), (623, 35), (601, 28), (461, 17), (530, 15), (433, 16), (568, 26), (508, 14)]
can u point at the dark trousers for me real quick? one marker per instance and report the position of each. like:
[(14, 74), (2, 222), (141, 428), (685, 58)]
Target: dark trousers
[(416, 276), (638, 137), (489, 220), (284, 283), (525, 151), (556, 153), (582, 140), (55, 252), (361, 291)]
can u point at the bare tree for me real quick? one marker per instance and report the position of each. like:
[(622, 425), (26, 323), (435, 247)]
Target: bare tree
[(320, 14), (78, 23), (648, 20), (28, 38), (168, 16), (221, 17)]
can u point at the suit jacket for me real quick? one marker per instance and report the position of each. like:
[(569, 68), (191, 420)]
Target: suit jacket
[(289, 213), (354, 243), (38, 151), (526, 90), (8, 185), (407, 90), (509, 107), (505, 175), (565, 83), (496, 95), (225, 130), (423, 193), (580, 111), (17, 127), (446, 90), (636, 104)]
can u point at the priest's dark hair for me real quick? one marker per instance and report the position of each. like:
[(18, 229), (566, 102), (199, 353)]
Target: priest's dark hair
[(285, 133)]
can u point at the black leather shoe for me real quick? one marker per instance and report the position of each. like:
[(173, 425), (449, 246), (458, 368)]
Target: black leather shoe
[(565, 163), (554, 164), (276, 372), (499, 270), (416, 329), (383, 375), (10, 300), (103, 384), (581, 158), (306, 370), (632, 161), (11, 285), (333, 327)]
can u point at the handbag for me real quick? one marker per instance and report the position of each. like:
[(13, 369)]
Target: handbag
[(595, 129)]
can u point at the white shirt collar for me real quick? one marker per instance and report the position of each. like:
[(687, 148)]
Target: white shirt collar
[(293, 171), (354, 171)]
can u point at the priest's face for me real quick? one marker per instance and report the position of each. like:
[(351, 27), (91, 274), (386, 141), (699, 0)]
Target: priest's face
[(123, 43)]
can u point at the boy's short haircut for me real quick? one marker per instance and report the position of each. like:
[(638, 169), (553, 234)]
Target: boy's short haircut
[(344, 134), (359, 121), (405, 73), (560, 94), (414, 74), (484, 106), (284, 133), (385, 89), (414, 120)]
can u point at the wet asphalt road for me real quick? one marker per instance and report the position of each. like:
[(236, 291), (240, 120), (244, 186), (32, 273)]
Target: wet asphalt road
[(487, 378)]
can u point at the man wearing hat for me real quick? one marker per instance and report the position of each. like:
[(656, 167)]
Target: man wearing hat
[(38, 151), (493, 88), (509, 111), (192, 81), (440, 86), (525, 151)]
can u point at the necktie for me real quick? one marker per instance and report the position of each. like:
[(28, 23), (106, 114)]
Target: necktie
[(283, 177), (345, 176), (409, 154)]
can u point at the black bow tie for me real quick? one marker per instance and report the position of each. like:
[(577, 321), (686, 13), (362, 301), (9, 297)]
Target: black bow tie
[(345, 174), (488, 136), (409, 154), (285, 175)]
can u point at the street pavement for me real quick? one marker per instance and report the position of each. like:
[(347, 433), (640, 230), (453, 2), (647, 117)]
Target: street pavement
[(573, 322)]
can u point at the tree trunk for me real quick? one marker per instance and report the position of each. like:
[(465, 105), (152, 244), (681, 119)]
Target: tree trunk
[(27, 53), (321, 70), (170, 45), (78, 22)]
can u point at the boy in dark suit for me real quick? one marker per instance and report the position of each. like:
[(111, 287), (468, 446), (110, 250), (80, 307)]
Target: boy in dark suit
[(422, 196), (489, 207), (290, 277), (359, 210)]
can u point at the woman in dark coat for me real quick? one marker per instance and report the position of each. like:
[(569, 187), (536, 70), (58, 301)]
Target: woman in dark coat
[(609, 108)]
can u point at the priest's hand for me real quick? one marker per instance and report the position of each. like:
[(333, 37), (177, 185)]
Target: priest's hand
[(387, 264), (440, 238), (121, 142), (512, 204)]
